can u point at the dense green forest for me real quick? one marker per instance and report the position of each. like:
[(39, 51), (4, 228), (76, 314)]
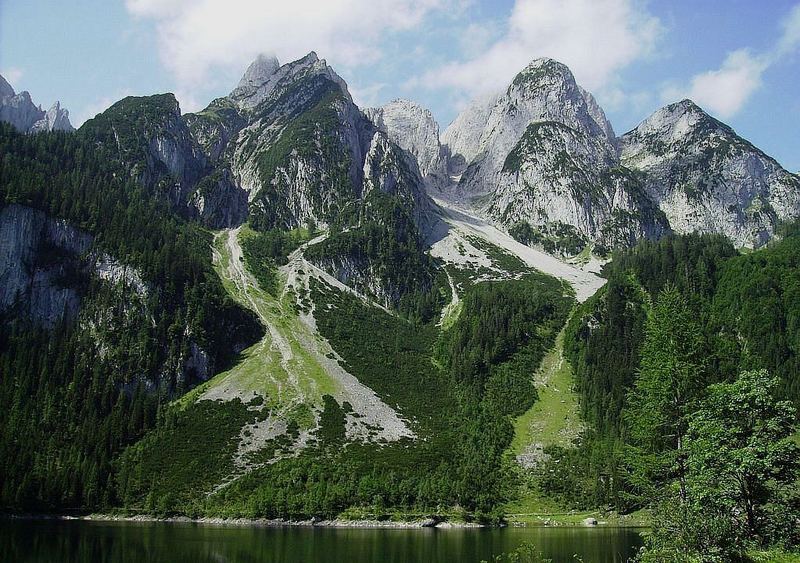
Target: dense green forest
[(70, 399), (681, 323)]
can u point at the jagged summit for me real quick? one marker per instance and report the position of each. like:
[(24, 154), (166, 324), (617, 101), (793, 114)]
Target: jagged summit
[(265, 74), (415, 130), (707, 178), (258, 72), (6, 89), (543, 67), (20, 111), (55, 119)]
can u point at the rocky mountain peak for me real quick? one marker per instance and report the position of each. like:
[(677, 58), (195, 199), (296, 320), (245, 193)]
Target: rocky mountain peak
[(258, 73), (20, 111), (55, 119), (6, 90), (415, 130), (265, 74), (706, 178), (543, 69)]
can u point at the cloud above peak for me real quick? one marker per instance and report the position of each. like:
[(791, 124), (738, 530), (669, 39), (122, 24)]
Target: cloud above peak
[(726, 90), (197, 37), (595, 38)]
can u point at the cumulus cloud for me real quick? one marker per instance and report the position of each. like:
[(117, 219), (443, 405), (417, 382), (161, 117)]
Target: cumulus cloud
[(197, 37), (725, 91), (595, 38)]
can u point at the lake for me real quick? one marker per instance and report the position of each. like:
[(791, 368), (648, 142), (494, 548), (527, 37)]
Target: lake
[(157, 542)]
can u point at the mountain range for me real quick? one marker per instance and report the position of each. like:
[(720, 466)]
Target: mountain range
[(539, 159), (287, 305)]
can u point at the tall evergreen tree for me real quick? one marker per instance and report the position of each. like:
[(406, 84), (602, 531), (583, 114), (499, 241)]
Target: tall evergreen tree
[(668, 380)]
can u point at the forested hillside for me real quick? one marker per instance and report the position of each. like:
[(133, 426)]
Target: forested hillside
[(457, 386), (74, 395), (682, 323)]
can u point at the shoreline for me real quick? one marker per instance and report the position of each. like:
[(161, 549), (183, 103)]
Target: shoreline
[(252, 522), (327, 524)]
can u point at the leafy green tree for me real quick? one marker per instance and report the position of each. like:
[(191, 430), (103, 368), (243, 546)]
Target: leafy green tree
[(742, 458), (742, 477)]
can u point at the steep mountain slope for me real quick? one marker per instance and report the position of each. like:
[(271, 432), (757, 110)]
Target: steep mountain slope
[(109, 307), (463, 136), (148, 137), (414, 129), (304, 152), (545, 157), (706, 178), (20, 111)]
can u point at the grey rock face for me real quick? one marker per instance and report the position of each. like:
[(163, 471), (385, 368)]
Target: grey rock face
[(389, 169), (302, 155), (255, 84), (543, 152), (556, 176), (463, 136), (40, 265), (6, 91), (20, 111), (264, 77), (545, 91), (56, 119), (706, 178), (414, 129)]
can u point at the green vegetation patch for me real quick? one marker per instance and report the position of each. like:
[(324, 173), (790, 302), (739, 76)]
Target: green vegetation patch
[(179, 462)]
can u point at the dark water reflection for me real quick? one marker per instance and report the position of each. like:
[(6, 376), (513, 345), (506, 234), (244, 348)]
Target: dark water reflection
[(124, 542)]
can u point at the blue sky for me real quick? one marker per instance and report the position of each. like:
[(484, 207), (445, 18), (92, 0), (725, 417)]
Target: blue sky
[(739, 59)]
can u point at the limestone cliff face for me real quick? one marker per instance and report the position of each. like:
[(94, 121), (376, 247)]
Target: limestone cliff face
[(462, 138), (557, 177), (47, 268), (20, 111), (543, 153), (414, 129), (41, 266), (706, 178)]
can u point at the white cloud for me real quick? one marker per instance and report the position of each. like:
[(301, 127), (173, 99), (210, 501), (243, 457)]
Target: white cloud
[(595, 38), (198, 37), (726, 90), (367, 95), (790, 38), (12, 75)]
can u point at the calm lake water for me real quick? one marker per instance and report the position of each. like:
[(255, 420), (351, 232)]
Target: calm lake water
[(125, 542)]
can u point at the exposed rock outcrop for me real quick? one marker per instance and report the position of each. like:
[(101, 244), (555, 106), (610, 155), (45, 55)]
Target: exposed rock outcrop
[(414, 129), (706, 178), (42, 266), (543, 153), (20, 111)]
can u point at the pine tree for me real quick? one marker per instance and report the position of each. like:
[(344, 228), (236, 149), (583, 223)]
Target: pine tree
[(668, 381)]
